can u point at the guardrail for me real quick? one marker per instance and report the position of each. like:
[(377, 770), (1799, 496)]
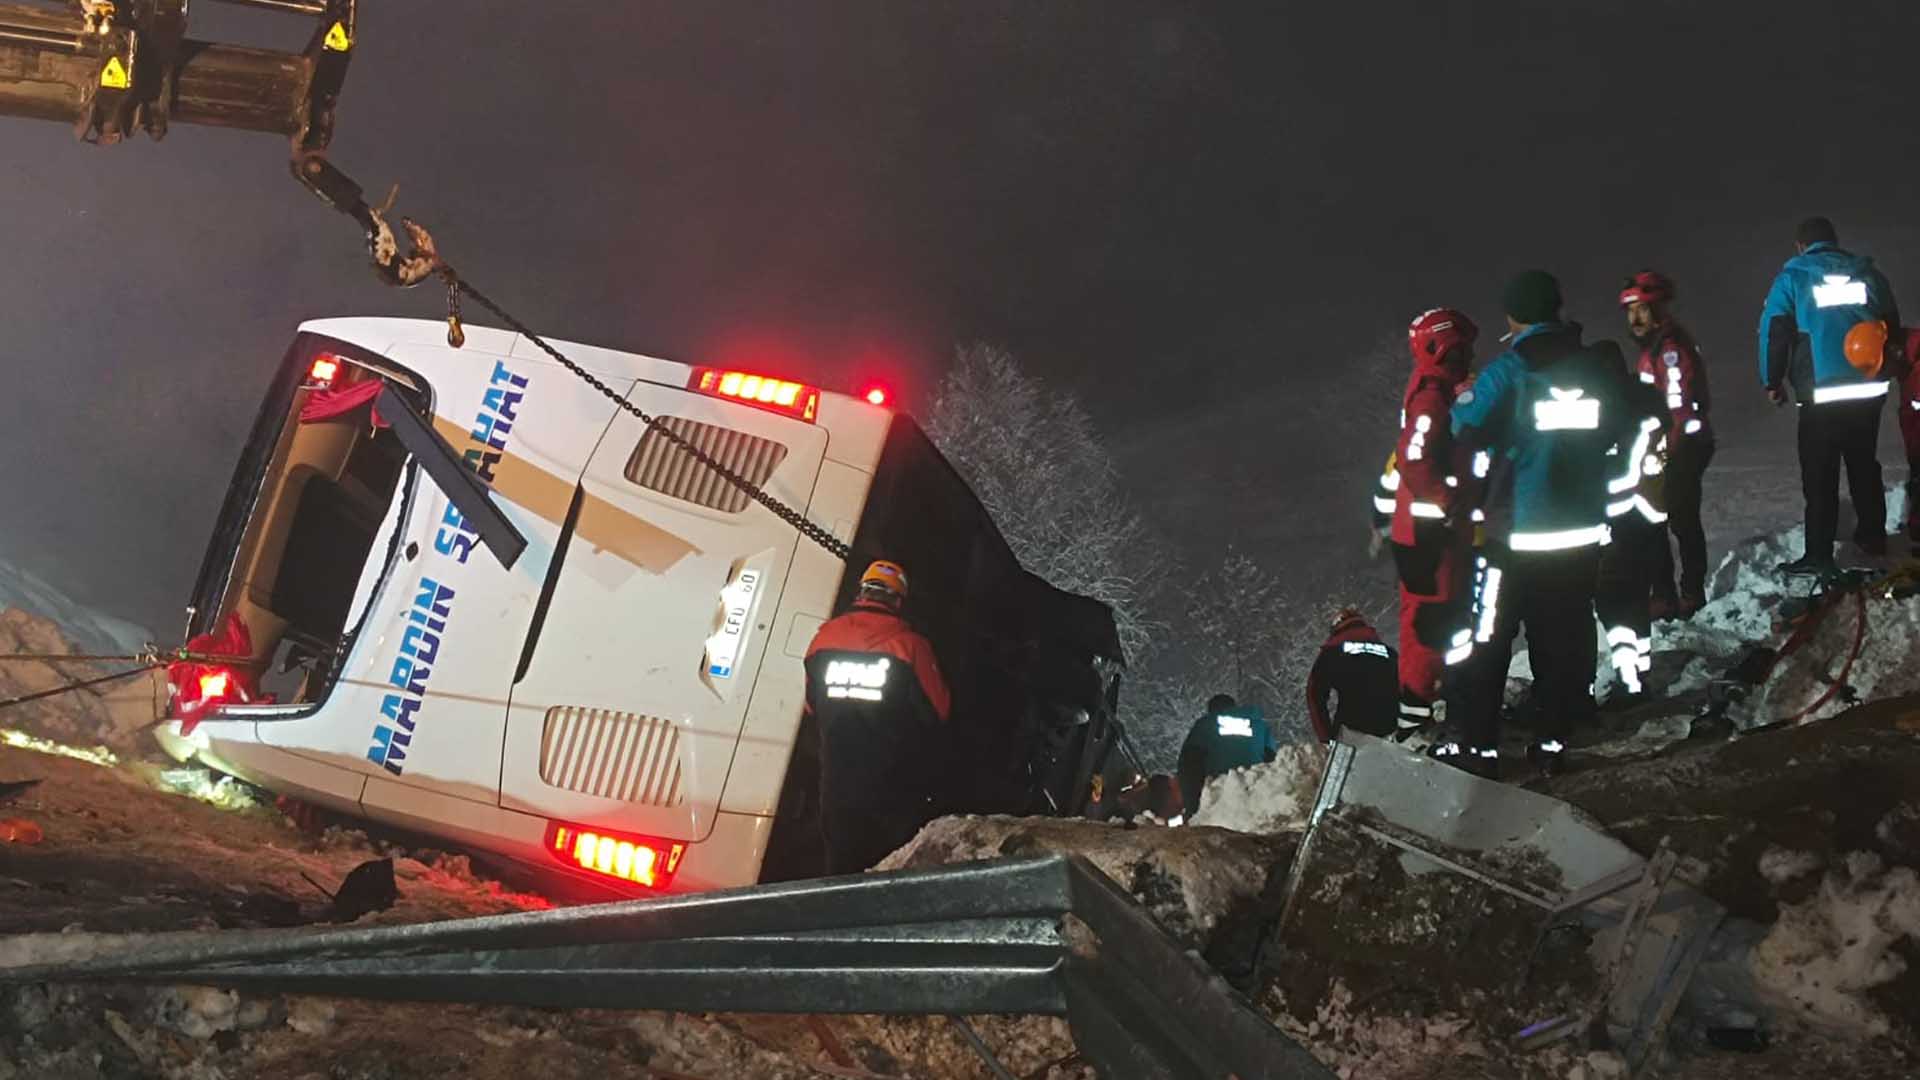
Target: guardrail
[(1051, 936)]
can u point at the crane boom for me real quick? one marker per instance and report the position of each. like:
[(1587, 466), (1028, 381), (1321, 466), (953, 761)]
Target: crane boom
[(113, 68)]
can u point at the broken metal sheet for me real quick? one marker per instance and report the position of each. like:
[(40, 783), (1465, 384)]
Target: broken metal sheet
[(1462, 820), (1526, 866)]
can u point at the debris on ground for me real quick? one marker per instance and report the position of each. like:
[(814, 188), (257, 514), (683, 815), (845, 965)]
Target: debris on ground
[(1200, 884)]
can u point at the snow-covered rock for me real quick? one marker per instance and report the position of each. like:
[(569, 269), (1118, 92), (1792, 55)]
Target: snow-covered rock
[(1780, 865), (93, 631), (113, 714), (1193, 880)]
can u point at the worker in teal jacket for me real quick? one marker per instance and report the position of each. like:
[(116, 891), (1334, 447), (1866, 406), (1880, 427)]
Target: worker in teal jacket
[(1821, 294), (1548, 411), (1227, 736)]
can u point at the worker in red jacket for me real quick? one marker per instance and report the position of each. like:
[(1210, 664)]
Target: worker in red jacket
[(1432, 536), (878, 702), (1670, 362), (1352, 681), (1906, 353)]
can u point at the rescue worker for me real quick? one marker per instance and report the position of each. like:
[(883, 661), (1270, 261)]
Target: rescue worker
[(1227, 736), (1548, 410), (1354, 680), (1821, 294), (1907, 353), (1634, 560), (878, 701), (1432, 541), (1670, 363)]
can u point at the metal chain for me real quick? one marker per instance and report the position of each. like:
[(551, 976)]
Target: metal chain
[(781, 510)]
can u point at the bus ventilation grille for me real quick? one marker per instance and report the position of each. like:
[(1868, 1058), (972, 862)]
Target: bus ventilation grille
[(613, 755), (659, 465)]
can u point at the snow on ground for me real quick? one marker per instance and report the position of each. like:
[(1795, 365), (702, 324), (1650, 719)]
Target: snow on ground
[(1822, 956), (1271, 798)]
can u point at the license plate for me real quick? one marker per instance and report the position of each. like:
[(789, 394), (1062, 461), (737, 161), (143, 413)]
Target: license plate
[(736, 600)]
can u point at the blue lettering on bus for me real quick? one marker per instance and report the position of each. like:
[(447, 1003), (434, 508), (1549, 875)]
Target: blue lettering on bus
[(412, 671), (491, 432)]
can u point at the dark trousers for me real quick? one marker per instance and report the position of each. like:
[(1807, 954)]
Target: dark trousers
[(1686, 468), (1550, 593), (1831, 435), (873, 798), (1630, 569)]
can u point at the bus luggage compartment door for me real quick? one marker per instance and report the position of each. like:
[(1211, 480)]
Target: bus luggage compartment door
[(648, 655)]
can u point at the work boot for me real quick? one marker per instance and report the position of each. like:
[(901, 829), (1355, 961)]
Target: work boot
[(1622, 698), (1873, 547), (1691, 603), (1662, 607), (1548, 755), (1810, 566)]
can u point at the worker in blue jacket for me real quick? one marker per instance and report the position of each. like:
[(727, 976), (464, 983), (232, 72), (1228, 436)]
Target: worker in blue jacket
[(1227, 736), (1822, 293), (1548, 411)]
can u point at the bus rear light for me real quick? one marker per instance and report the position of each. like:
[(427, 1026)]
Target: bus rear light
[(214, 686), (762, 392), (326, 367), (637, 859)]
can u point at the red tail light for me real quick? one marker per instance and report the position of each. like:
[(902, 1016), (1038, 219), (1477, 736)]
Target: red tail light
[(639, 860), (326, 367), (877, 395), (793, 399), (214, 686)]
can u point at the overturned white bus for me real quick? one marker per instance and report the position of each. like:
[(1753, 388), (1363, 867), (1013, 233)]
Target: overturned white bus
[(583, 650)]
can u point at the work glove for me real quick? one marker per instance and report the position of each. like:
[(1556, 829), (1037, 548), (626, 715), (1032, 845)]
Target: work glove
[(1777, 395)]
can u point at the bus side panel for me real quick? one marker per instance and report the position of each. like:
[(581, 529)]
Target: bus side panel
[(621, 722)]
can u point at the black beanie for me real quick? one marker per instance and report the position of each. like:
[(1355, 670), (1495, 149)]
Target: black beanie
[(1533, 297)]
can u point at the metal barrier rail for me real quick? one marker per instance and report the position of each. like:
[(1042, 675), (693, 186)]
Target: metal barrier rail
[(1051, 936)]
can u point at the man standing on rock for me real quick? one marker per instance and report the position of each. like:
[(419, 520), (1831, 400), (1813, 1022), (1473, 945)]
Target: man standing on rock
[(1821, 294), (1670, 363), (1547, 410)]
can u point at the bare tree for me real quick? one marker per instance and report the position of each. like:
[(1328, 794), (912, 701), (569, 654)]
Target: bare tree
[(1249, 632), (1041, 470)]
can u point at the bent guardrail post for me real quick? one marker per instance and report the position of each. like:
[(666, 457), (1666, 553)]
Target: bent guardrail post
[(1049, 936)]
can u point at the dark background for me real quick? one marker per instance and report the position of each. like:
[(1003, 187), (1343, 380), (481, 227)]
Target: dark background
[(1198, 218)]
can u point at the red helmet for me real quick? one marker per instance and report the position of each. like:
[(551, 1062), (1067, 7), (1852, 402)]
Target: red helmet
[(1436, 331), (1647, 287)]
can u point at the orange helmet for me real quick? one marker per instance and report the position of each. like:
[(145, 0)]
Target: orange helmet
[(1866, 347), (888, 577)]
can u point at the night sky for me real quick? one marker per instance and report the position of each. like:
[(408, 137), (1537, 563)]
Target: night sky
[(1197, 218)]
